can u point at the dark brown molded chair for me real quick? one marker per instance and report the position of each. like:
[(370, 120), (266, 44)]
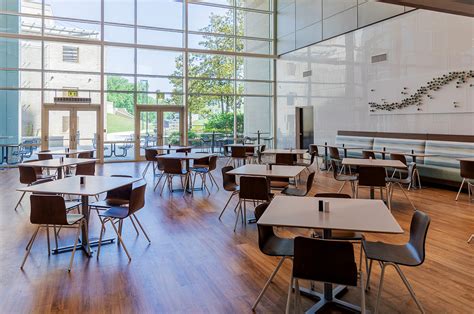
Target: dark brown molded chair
[(45, 156), (338, 176), (250, 151), (159, 168), (203, 171), (285, 159), (150, 157), (50, 210), (410, 254), (118, 213), (467, 174), (183, 150), (86, 155), (334, 155), (172, 168), (368, 155), (324, 261), (401, 158), (116, 197), (272, 245), (87, 169), (230, 185), (301, 192), (260, 153), (374, 177), (393, 181), (29, 175), (239, 154), (255, 189)]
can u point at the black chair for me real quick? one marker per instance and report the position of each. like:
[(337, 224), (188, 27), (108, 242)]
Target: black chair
[(338, 176), (410, 254), (230, 185), (368, 155), (467, 174), (255, 189), (272, 245), (117, 214), (50, 210), (324, 261), (374, 177), (393, 181), (301, 192)]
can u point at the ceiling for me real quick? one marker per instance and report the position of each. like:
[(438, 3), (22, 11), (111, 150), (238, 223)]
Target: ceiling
[(459, 7)]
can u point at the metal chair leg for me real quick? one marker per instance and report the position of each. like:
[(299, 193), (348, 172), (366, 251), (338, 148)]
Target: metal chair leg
[(47, 238), (32, 241), (134, 227), (470, 238), (228, 201), (21, 198), (121, 241), (288, 299), (410, 289), (141, 227), (457, 196), (379, 293), (164, 184), (406, 195), (342, 186), (268, 282), (362, 292), (78, 233), (238, 212), (368, 268)]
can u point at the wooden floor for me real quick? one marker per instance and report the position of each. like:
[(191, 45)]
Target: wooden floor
[(196, 263)]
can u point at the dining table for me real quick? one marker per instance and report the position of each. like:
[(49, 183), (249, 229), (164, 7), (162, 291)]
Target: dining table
[(275, 151), (361, 215), (64, 152), (89, 187), (58, 163), (169, 148), (343, 147), (276, 171)]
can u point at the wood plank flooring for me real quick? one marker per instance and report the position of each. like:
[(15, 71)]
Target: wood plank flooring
[(197, 264)]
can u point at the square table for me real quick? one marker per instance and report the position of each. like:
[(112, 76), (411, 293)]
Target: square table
[(169, 148), (343, 147), (93, 185), (263, 171), (57, 164), (285, 151), (344, 214)]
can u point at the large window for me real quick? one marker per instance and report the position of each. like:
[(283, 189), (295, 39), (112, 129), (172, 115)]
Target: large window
[(212, 58)]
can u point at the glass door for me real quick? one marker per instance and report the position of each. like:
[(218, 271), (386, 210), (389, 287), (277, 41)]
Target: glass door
[(159, 126), (86, 127), (59, 132)]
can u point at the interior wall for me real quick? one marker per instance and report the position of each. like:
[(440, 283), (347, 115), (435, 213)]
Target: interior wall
[(337, 77)]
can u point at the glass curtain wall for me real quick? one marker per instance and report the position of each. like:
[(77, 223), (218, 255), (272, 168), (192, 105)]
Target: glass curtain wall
[(212, 58)]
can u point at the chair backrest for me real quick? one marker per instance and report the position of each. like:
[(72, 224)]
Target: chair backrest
[(250, 149), (368, 155), (372, 176), (467, 169), (238, 152), (85, 155), (48, 210), (201, 161), (159, 162), (183, 150), (265, 233), (86, 169), (332, 195), (150, 154), (334, 153), (45, 156), (309, 181), (325, 261), (228, 181), (313, 149), (121, 193), (400, 157), (420, 223), (212, 162), (27, 174), (255, 188), (335, 170), (263, 147), (38, 170), (137, 198), (285, 159), (172, 166)]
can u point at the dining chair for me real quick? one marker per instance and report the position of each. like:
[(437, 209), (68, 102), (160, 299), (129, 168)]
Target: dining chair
[(183, 150), (402, 159), (298, 191), (229, 184), (86, 169), (86, 155), (368, 154), (339, 176), (45, 156), (50, 210), (325, 261), (172, 168), (203, 171), (237, 154), (467, 174), (394, 181), (117, 214), (334, 155), (374, 177), (150, 157), (29, 175), (285, 159), (411, 254), (260, 151), (271, 245), (255, 189), (250, 152)]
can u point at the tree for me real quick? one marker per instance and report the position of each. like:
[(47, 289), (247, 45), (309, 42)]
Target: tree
[(122, 99)]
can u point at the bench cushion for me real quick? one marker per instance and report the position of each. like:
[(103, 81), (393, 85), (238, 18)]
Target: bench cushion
[(400, 145), (448, 153), (355, 141), (439, 172)]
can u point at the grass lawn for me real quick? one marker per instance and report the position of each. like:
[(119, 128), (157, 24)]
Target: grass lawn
[(119, 124)]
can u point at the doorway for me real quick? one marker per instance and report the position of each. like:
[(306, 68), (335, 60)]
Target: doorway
[(158, 126), (70, 126), (304, 127)]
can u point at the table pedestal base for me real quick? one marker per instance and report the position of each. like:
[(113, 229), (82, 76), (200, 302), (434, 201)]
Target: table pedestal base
[(81, 247), (323, 302)]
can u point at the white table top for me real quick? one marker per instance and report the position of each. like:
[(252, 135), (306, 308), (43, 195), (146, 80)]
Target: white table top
[(373, 163), (184, 156), (466, 159), (166, 147), (339, 146), (261, 170), (243, 145), (63, 152), (56, 163), (285, 151), (71, 185), (344, 214)]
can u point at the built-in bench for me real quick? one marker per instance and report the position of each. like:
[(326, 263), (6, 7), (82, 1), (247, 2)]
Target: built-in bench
[(442, 168)]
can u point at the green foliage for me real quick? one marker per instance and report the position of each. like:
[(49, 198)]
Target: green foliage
[(173, 138), (124, 99), (117, 123), (224, 122)]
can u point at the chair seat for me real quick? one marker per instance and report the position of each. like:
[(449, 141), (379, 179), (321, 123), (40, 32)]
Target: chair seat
[(111, 202), (399, 254), (279, 184), (115, 212), (231, 187), (294, 192), (279, 247), (398, 180), (346, 177), (72, 204), (200, 170), (197, 166), (73, 218)]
